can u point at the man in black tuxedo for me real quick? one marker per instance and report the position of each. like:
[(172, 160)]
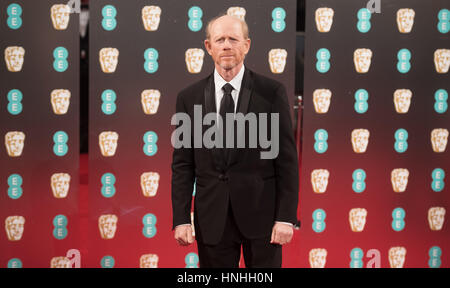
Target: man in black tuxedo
[(242, 200)]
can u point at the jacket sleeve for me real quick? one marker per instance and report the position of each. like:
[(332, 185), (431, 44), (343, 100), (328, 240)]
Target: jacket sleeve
[(286, 163), (183, 176)]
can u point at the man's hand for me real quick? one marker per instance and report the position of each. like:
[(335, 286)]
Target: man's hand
[(282, 233), (183, 235)]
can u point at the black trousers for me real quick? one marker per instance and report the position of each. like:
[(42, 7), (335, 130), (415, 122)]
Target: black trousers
[(258, 253)]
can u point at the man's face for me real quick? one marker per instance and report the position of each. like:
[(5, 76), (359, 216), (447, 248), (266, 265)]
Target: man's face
[(227, 45)]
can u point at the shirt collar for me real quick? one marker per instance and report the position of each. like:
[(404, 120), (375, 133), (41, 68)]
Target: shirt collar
[(235, 82)]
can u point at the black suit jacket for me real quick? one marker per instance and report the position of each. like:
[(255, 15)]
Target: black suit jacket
[(260, 191)]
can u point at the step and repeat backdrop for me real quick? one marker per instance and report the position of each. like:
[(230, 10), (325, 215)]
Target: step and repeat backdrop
[(375, 157), (142, 54), (39, 118)]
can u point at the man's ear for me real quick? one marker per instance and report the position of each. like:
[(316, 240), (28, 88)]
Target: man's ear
[(248, 44), (208, 46)]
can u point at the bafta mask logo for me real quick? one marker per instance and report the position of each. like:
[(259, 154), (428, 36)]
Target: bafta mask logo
[(149, 261), (107, 224), (150, 101), (149, 183), (60, 99), (397, 257), (436, 217), (399, 179), (442, 60), (439, 139), (194, 60), (317, 258), (238, 12), (60, 15), (277, 60), (402, 100), (322, 99), (324, 19), (60, 183), (60, 262), (319, 180), (360, 140), (362, 59), (14, 58), (14, 226), (108, 141), (109, 58), (405, 20), (151, 16), (357, 218), (14, 141)]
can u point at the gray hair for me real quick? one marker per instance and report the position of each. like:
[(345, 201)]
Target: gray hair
[(244, 25)]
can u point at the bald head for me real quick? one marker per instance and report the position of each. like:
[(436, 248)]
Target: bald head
[(226, 19)]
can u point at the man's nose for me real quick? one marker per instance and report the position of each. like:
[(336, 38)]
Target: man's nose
[(227, 44)]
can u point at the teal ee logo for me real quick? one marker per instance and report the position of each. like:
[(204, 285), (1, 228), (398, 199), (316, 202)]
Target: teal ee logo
[(403, 64), (109, 14), (108, 98), (191, 260), (441, 97), (323, 56), (60, 55), (108, 189), (361, 98), (444, 21), (398, 219), (319, 216), (14, 101), (149, 221), (435, 253), (356, 256), (401, 137), (15, 190), (364, 24), (151, 60), (195, 15), (107, 262), (278, 16), (150, 147), (438, 183), (15, 263), (14, 12), (60, 147), (60, 224), (321, 137), (359, 177)]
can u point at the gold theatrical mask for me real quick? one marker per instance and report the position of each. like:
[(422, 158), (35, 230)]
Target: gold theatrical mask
[(14, 226), (357, 218), (442, 60), (399, 179), (109, 58), (60, 99), (60, 262), (238, 12), (324, 19), (149, 261), (402, 100), (60, 15), (60, 183), (194, 60), (362, 59), (439, 139), (149, 183), (277, 60), (317, 258), (436, 218), (14, 58), (150, 101), (397, 256), (405, 20), (151, 16), (107, 224), (360, 140), (108, 141), (319, 180), (14, 141), (322, 99)]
